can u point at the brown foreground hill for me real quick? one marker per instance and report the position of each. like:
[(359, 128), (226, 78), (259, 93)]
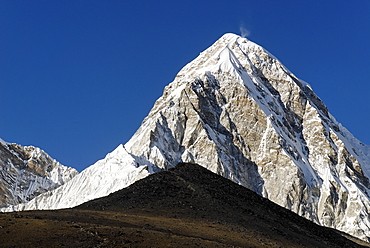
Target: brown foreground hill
[(187, 206)]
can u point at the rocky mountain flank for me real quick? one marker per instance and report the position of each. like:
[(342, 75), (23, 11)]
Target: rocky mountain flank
[(237, 111), (27, 171)]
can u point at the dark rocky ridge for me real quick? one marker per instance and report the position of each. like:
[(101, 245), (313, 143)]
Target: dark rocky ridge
[(191, 191), (187, 206)]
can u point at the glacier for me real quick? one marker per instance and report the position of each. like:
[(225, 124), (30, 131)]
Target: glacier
[(239, 112)]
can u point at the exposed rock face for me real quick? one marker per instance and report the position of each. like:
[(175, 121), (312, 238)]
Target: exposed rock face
[(239, 112), (26, 172)]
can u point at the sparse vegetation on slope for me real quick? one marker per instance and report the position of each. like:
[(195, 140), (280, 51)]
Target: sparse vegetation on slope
[(187, 206)]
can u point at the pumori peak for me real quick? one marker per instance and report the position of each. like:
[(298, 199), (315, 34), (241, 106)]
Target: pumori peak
[(237, 111)]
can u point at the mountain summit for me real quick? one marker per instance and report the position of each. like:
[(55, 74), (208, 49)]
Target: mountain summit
[(237, 111)]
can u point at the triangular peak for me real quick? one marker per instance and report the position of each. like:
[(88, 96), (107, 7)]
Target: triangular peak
[(230, 36)]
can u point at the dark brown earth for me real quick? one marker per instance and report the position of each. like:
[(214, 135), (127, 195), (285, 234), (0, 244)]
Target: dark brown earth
[(187, 206)]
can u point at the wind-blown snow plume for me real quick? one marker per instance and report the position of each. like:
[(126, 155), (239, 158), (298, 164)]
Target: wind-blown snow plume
[(244, 32)]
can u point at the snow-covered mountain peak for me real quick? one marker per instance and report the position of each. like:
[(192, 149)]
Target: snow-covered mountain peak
[(230, 37), (236, 110)]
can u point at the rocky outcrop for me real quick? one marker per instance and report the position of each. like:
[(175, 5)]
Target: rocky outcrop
[(27, 171)]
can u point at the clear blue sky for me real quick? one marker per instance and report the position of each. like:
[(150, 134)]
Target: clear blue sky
[(77, 77)]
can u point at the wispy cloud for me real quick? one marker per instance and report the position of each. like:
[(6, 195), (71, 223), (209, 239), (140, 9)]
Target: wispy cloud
[(244, 32)]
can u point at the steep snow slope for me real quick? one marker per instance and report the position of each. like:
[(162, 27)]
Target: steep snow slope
[(239, 112), (27, 171), (116, 171)]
